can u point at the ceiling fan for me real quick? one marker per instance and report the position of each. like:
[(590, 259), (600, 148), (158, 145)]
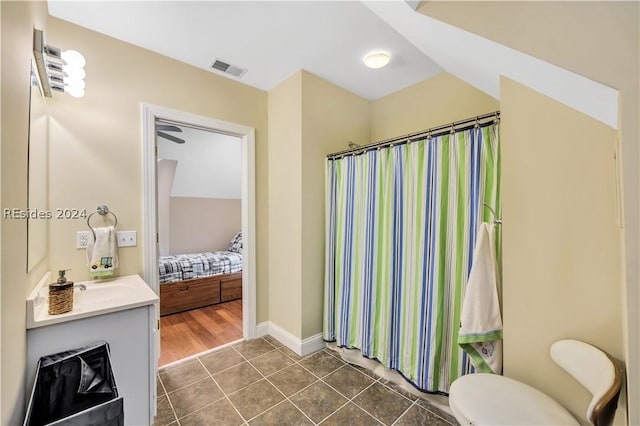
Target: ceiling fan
[(161, 130)]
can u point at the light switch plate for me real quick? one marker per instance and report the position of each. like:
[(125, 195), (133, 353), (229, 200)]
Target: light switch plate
[(127, 238)]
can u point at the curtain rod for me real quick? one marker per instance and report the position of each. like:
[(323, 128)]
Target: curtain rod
[(407, 138)]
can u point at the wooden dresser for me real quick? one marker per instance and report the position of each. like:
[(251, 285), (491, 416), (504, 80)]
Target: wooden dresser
[(199, 292)]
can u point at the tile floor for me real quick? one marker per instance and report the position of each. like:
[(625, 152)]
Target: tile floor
[(261, 382)]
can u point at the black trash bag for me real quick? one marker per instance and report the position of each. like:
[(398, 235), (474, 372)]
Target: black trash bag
[(76, 387)]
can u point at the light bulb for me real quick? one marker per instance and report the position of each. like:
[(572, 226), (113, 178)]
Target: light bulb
[(74, 72), (74, 58), (377, 59), (76, 92), (74, 82)]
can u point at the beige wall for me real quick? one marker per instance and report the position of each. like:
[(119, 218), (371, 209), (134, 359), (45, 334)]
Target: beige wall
[(308, 119), (203, 224), (439, 100), (18, 21), (331, 117), (94, 136), (285, 209), (561, 242), (96, 144), (95, 148), (165, 173), (599, 40)]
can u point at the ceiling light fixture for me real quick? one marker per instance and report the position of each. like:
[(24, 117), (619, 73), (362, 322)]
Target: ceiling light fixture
[(59, 70), (377, 59)]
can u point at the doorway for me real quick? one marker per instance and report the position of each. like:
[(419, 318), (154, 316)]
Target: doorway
[(152, 114)]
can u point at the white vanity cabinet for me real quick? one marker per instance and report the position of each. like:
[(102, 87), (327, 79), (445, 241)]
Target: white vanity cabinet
[(129, 331)]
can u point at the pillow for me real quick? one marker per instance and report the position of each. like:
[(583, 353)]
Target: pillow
[(236, 243)]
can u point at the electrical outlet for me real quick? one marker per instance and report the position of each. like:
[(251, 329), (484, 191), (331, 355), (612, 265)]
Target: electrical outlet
[(82, 239), (127, 238)]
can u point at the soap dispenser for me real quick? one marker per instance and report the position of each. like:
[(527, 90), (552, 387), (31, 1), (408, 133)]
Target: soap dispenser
[(60, 295)]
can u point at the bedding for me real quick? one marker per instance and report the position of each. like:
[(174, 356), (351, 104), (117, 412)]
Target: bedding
[(182, 267), (235, 245)]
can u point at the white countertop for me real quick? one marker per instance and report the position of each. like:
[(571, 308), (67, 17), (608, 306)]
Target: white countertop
[(100, 297)]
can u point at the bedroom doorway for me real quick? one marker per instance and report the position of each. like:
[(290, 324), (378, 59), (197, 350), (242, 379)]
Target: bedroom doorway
[(227, 296)]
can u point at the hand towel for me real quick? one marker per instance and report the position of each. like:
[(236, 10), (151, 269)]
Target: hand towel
[(480, 333), (102, 253)]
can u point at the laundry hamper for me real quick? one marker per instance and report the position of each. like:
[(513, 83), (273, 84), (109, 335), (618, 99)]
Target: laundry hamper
[(76, 388)]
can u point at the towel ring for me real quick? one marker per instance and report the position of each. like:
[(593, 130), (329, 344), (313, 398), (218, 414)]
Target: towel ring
[(101, 210), (496, 220)]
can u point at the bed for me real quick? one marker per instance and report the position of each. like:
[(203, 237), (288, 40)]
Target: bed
[(195, 280)]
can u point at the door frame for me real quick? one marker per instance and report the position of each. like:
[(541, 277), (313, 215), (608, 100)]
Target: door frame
[(151, 113)]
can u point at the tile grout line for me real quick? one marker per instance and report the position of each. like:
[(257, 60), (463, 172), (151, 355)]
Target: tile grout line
[(378, 380), (210, 403), (188, 384), (319, 378), (404, 412), (271, 383), (245, 421), (433, 410), (350, 400), (286, 398), (224, 394), (166, 394), (438, 416), (161, 384), (413, 402)]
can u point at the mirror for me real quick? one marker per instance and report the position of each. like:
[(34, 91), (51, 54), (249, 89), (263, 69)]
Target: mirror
[(38, 172)]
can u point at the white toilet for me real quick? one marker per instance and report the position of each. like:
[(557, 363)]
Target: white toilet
[(489, 399)]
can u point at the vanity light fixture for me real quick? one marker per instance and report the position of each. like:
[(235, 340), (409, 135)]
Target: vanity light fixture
[(59, 70), (377, 59)]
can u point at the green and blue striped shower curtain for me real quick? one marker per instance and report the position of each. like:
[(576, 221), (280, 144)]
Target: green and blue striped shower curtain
[(401, 225)]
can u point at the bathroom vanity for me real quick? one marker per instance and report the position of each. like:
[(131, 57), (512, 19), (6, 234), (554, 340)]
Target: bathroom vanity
[(120, 311)]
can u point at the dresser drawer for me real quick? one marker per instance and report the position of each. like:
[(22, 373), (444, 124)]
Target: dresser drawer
[(190, 294), (231, 287)]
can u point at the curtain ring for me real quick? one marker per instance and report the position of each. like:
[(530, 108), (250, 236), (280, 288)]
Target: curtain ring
[(477, 126)]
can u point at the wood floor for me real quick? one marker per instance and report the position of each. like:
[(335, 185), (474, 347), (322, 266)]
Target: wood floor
[(191, 332)]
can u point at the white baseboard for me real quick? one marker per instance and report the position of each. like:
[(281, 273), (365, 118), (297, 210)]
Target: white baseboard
[(312, 344), (301, 347), (262, 329)]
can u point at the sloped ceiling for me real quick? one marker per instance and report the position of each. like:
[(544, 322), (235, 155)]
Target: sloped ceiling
[(272, 39), (209, 164), (275, 39), (480, 62)]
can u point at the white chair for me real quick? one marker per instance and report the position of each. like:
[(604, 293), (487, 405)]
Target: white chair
[(489, 399)]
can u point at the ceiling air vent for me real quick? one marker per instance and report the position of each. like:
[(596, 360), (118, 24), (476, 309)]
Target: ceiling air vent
[(227, 68)]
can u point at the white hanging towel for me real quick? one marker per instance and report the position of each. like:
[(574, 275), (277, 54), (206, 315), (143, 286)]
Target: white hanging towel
[(102, 253), (480, 332)]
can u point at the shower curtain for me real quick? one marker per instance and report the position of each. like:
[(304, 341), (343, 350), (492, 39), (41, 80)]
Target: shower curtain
[(401, 226)]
